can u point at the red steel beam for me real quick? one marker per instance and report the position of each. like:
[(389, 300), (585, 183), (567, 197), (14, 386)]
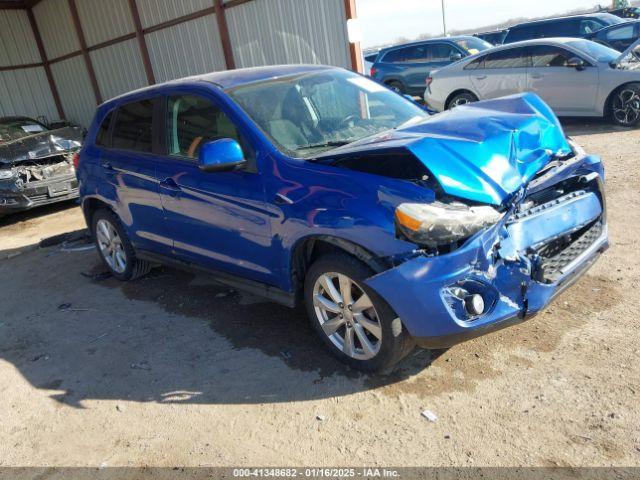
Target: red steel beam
[(45, 63), (355, 51), (84, 51), (142, 44), (223, 30)]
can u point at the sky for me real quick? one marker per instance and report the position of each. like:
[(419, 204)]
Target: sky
[(384, 21)]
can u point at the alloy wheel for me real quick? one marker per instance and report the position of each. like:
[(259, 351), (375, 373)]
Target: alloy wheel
[(347, 316), (626, 107), (110, 245)]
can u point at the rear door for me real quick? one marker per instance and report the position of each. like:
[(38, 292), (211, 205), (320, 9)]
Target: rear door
[(129, 166), (499, 73), (217, 219), (568, 91)]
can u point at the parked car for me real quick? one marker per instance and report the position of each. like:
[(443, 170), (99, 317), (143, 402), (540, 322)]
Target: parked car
[(36, 164), (576, 77), (619, 37), (579, 26), (369, 60), (404, 68), (495, 37), (628, 12), (314, 184)]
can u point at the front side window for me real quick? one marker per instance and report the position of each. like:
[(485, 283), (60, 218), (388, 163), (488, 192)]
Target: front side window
[(590, 26), (511, 58), (543, 56), (621, 33), (194, 121), (133, 129), (473, 45), (441, 52), (307, 114)]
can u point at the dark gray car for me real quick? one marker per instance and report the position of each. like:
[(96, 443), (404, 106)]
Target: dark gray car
[(405, 68)]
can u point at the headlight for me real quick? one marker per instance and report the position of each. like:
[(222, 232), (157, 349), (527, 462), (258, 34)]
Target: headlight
[(6, 174), (437, 223)]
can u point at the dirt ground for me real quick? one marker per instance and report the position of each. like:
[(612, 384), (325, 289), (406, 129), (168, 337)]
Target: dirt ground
[(176, 369)]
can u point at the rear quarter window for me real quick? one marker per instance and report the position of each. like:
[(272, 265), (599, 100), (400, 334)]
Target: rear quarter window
[(103, 138)]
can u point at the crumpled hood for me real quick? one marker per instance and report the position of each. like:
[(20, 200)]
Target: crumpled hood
[(483, 151), (41, 145)]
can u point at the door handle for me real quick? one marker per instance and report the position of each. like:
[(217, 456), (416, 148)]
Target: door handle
[(106, 165), (281, 199), (171, 187), (535, 76), (480, 77)]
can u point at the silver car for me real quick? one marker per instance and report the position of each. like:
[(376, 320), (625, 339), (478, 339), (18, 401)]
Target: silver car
[(576, 77)]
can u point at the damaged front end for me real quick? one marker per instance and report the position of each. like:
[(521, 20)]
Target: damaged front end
[(552, 230), (38, 170)]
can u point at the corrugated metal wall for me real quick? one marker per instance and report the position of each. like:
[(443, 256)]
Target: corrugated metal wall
[(74, 86), (104, 20), (26, 92), (119, 68), (267, 32), (22, 91), (262, 32), (186, 49)]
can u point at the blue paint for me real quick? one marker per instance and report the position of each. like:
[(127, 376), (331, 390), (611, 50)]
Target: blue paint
[(249, 222)]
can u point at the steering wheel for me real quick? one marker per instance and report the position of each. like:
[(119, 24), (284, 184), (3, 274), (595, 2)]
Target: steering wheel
[(349, 119)]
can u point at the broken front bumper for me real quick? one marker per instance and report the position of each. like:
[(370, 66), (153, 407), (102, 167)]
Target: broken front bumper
[(518, 266), (15, 197)]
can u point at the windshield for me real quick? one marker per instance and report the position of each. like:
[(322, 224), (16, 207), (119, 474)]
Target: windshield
[(473, 45), (16, 128), (595, 50), (307, 114)]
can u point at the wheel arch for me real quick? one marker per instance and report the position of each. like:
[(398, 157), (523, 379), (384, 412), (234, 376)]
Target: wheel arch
[(457, 92), (607, 103), (90, 206), (308, 249)]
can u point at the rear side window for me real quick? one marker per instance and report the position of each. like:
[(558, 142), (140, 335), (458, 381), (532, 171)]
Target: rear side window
[(401, 55), (524, 32), (621, 33), (511, 58), (103, 139), (134, 127), (543, 56)]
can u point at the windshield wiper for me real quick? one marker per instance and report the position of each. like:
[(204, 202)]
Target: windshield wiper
[(333, 143)]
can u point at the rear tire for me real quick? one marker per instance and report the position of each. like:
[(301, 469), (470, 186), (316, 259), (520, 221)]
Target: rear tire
[(624, 107), (396, 87), (114, 247), (354, 322), (461, 98)]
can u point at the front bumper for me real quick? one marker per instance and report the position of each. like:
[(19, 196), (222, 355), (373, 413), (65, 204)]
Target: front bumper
[(503, 265), (15, 198)]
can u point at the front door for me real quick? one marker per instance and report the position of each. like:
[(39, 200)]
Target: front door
[(218, 219), (567, 90)]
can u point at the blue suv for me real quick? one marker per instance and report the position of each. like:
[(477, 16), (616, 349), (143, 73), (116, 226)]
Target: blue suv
[(405, 68), (315, 185)]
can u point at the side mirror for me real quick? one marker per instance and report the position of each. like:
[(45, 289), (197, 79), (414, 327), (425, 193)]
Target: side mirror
[(577, 63), (221, 155), (455, 57)]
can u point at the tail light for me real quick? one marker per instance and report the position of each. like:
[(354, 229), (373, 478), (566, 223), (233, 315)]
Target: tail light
[(373, 71), (428, 81), (76, 160)]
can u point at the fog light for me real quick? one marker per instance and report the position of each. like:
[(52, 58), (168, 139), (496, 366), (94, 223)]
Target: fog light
[(474, 304)]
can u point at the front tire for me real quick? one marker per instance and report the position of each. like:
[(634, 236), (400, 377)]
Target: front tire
[(396, 87), (354, 322), (624, 108), (461, 98), (114, 247)]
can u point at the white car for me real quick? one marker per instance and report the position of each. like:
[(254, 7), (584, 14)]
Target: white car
[(576, 77)]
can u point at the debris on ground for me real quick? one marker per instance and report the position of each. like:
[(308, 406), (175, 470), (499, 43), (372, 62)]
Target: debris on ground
[(429, 415), (321, 418)]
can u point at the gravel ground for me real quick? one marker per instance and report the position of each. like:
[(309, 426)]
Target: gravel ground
[(176, 369)]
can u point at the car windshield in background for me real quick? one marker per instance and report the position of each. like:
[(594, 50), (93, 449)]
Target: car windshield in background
[(473, 45), (15, 129), (595, 50), (311, 113)]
